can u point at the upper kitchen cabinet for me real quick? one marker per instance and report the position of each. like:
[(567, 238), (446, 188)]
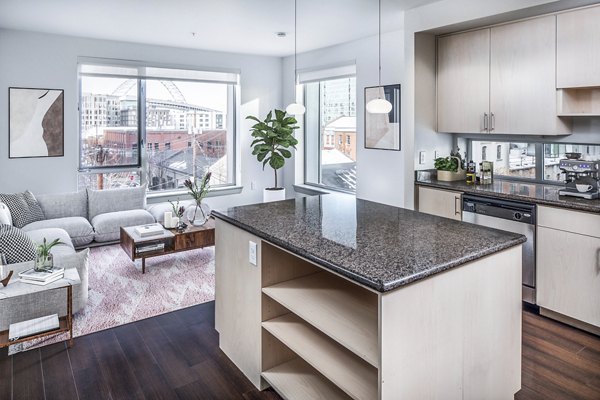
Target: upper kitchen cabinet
[(463, 76), (578, 48), (500, 80), (522, 78)]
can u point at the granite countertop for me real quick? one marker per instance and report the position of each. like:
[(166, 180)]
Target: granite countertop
[(379, 246), (520, 191)]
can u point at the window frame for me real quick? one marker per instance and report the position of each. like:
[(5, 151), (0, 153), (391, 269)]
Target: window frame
[(141, 167)]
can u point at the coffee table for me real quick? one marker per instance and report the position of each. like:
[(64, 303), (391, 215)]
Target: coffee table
[(173, 241), (16, 288)]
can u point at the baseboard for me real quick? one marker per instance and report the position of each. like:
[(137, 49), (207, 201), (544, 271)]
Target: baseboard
[(570, 321)]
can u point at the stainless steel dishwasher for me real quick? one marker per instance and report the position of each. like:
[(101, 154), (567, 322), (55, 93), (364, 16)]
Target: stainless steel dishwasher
[(509, 216)]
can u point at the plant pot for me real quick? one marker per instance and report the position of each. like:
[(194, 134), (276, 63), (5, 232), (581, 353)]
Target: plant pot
[(197, 215), (44, 263), (449, 176), (273, 195)]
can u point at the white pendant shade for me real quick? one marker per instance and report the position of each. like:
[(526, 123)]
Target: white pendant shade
[(295, 109), (379, 106)]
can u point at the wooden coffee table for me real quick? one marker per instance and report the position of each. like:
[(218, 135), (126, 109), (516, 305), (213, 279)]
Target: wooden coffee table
[(193, 237)]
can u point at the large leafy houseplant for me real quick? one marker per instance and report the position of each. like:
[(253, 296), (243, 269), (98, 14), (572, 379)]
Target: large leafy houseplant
[(272, 138)]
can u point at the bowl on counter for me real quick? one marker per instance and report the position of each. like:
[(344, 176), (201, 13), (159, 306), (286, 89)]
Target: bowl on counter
[(573, 156)]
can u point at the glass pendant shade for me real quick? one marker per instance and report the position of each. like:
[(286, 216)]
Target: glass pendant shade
[(295, 109), (379, 106)]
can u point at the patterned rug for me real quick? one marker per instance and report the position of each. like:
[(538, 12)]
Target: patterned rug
[(119, 293)]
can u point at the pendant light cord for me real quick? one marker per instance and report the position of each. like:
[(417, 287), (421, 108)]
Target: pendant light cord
[(296, 50), (379, 48)]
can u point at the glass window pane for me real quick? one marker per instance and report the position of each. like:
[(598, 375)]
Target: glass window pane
[(108, 180), (187, 124), (510, 159), (335, 131), (109, 122), (554, 152)]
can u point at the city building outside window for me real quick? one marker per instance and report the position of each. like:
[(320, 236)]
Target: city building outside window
[(176, 118), (520, 163), (331, 115), (499, 152)]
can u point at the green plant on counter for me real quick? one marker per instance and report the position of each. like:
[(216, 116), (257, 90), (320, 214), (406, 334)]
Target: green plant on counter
[(450, 163)]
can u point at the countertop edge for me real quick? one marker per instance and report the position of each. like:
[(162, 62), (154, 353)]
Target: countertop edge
[(516, 197), (378, 286)]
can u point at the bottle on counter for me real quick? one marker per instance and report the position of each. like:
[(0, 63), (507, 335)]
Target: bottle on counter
[(471, 173)]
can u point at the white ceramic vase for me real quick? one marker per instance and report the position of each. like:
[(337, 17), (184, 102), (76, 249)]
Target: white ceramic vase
[(273, 195)]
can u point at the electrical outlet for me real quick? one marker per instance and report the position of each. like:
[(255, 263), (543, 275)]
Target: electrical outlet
[(421, 157), (435, 155), (252, 253), (252, 185)]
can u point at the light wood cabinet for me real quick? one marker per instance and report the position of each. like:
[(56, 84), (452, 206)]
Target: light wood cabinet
[(578, 48), (463, 77), (443, 203), (568, 264), (509, 80)]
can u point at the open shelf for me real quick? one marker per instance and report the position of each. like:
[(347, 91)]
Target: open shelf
[(63, 326), (578, 102), (296, 379), (343, 311), (350, 373)]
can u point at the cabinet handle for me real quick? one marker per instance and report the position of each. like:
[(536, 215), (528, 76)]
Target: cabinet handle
[(492, 122), (485, 122), (457, 205)]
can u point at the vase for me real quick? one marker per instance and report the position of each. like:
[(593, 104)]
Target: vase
[(44, 263), (277, 194), (197, 214)]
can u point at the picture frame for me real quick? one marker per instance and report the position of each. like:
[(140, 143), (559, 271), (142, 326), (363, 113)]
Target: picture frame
[(36, 122), (382, 131)]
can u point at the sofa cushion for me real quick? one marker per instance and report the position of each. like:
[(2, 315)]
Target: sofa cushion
[(107, 226), (24, 208), (5, 217), (78, 228), (158, 209), (36, 305), (62, 205), (65, 248), (16, 245), (112, 200)]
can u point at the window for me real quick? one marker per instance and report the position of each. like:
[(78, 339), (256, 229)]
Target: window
[(331, 116), (520, 163), (553, 152), (177, 113)]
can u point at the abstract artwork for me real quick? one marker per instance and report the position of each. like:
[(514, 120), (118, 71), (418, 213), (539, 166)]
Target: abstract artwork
[(36, 122), (382, 131)]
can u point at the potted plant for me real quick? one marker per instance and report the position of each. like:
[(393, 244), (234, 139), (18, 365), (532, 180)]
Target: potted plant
[(44, 260), (450, 168), (272, 139), (197, 214)]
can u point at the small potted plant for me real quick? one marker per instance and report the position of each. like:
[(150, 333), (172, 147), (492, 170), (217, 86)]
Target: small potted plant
[(450, 168), (197, 214), (177, 214), (272, 139), (44, 261)]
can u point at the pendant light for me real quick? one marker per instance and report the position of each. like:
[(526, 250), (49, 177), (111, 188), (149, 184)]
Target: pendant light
[(295, 108), (379, 105)]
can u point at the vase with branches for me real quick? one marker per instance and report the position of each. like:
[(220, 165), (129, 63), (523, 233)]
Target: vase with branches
[(198, 213)]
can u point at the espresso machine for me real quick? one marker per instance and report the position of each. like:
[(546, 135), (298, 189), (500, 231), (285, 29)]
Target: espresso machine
[(582, 178)]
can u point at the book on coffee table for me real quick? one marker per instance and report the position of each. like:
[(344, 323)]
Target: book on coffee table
[(149, 230), (32, 327), (41, 278)]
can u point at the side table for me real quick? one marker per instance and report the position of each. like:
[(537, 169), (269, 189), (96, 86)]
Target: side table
[(16, 288)]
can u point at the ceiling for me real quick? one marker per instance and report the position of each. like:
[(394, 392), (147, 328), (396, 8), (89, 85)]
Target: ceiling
[(239, 26)]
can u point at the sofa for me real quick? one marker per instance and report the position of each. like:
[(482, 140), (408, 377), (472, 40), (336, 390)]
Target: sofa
[(90, 216)]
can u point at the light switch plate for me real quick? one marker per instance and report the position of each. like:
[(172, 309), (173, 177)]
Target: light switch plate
[(421, 157), (435, 155), (252, 253)]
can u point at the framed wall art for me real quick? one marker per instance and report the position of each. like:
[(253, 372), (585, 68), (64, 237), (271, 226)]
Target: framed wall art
[(382, 131), (35, 122)]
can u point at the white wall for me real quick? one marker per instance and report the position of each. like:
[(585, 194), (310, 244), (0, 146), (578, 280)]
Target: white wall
[(378, 171), (50, 61)]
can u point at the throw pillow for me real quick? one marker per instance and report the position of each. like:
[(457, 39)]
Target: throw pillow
[(16, 245), (24, 208), (5, 218)]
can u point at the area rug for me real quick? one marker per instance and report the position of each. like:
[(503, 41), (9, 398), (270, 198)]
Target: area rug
[(119, 293)]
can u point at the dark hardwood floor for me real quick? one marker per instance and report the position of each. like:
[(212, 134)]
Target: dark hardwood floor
[(176, 356)]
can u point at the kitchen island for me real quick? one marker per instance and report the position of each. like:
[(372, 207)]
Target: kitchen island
[(333, 297)]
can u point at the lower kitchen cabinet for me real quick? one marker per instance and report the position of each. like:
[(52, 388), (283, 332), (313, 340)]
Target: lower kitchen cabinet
[(444, 203), (568, 266)]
